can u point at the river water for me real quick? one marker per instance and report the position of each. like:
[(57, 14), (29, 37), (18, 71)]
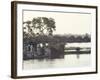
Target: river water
[(68, 61)]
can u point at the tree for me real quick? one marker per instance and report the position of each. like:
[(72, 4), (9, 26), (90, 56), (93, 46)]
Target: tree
[(40, 26), (30, 28), (87, 38), (44, 25), (50, 25)]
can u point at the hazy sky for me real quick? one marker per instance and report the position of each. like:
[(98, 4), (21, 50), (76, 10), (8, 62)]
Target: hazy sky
[(66, 23)]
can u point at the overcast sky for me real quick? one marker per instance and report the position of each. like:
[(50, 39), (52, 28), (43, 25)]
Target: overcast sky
[(66, 23)]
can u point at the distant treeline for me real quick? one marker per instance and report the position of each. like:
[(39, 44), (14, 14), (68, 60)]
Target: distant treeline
[(58, 38)]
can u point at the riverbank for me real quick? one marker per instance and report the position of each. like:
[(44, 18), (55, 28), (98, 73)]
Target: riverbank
[(75, 52)]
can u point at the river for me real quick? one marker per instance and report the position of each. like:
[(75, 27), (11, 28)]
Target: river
[(68, 61)]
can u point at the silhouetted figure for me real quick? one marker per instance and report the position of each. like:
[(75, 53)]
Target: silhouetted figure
[(42, 50), (47, 52), (38, 50)]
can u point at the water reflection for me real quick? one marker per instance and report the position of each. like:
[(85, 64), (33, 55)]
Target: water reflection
[(72, 60)]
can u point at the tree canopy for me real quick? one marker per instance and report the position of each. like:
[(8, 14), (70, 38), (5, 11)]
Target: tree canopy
[(40, 26)]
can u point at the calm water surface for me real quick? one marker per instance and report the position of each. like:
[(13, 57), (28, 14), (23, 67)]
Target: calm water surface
[(68, 61)]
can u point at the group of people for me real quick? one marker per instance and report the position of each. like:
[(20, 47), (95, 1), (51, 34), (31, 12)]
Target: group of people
[(40, 50), (45, 50)]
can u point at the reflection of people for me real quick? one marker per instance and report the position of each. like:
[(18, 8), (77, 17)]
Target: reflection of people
[(78, 52)]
